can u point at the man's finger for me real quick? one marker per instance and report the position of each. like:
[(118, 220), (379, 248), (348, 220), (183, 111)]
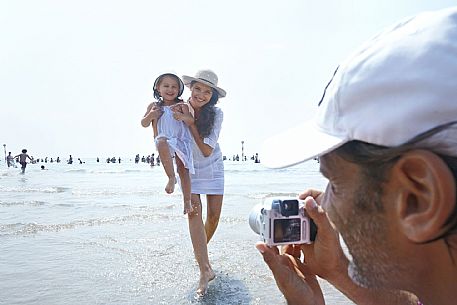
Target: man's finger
[(270, 255), (318, 215)]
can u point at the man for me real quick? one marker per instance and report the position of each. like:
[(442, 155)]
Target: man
[(23, 159), (386, 138)]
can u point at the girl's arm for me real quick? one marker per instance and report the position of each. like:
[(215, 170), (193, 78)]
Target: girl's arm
[(153, 112)]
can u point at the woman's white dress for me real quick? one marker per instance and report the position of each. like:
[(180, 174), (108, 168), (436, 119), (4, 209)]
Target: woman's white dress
[(209, 171), (178, 137)]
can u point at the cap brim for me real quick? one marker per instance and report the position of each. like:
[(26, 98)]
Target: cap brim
[(189, 79), (297, 145)]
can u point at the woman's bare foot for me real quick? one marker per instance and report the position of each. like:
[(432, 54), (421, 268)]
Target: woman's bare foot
[(205, 278), (170, 187), (188, 207)]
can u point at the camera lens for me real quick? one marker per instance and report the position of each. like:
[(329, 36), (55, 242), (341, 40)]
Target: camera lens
[(254, 218)]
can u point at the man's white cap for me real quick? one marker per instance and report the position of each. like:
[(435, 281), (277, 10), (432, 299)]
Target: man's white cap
[(398, 85)]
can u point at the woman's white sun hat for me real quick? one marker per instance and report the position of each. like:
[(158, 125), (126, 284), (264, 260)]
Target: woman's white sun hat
[(206, 77), (398, 85)]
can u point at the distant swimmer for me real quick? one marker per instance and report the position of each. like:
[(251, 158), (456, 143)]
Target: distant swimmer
[(23, 159)]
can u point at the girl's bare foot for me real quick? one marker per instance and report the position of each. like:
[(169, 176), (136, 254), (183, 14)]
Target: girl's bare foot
[(205, 278), (170, 187), (188, 207)]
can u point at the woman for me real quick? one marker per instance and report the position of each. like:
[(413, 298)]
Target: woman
[(204, 120)]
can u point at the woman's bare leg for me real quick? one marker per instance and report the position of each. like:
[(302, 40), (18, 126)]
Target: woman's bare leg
[(185, 185), (214, 208), (198, 237), (167, 163)]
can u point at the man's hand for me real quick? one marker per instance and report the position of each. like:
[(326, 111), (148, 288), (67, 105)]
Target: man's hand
[(325, 256), (297, 284)]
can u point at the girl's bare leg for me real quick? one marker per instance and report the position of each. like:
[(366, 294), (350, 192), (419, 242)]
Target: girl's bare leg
[(214, 208), (198, 237), (185, 185), (167, 163)]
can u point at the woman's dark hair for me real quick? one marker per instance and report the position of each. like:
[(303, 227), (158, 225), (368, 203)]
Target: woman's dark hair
[(157, 82), (205, 121), (375, 162)]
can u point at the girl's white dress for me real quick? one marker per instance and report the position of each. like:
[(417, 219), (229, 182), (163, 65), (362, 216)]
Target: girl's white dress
[(209, 171), (178, 137)]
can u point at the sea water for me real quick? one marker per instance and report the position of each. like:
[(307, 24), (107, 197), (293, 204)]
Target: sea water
[(98, 233)]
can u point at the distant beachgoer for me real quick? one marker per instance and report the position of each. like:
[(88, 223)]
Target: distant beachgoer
[(98, 159), (172, 137), (43, 168), (70, 160), (9, 160), (58, 160), (204, 120), (23, 159), (256, 160), (152, 159)]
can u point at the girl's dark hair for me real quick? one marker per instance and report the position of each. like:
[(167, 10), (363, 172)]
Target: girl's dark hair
[(205, 121), (157, 82)]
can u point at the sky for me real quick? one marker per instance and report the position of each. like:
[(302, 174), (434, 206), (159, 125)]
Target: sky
[(76, 76)]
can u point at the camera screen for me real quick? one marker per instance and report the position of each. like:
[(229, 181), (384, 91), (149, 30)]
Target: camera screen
[(287, 230)]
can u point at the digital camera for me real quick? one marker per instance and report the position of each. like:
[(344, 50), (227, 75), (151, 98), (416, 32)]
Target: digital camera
[(282, 221)]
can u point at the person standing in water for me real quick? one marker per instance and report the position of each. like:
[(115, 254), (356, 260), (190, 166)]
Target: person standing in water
[(10, 159), (23, 159), (205, 121)]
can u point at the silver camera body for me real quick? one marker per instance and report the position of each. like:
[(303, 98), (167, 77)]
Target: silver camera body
[(282, 221)]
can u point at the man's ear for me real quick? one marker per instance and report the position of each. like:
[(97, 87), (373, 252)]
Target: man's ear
[(426, 195)]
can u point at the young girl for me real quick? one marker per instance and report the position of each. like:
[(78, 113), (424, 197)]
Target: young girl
[(172, 137)]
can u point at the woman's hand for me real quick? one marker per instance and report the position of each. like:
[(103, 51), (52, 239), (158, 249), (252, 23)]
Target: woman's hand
[(182, 113)]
